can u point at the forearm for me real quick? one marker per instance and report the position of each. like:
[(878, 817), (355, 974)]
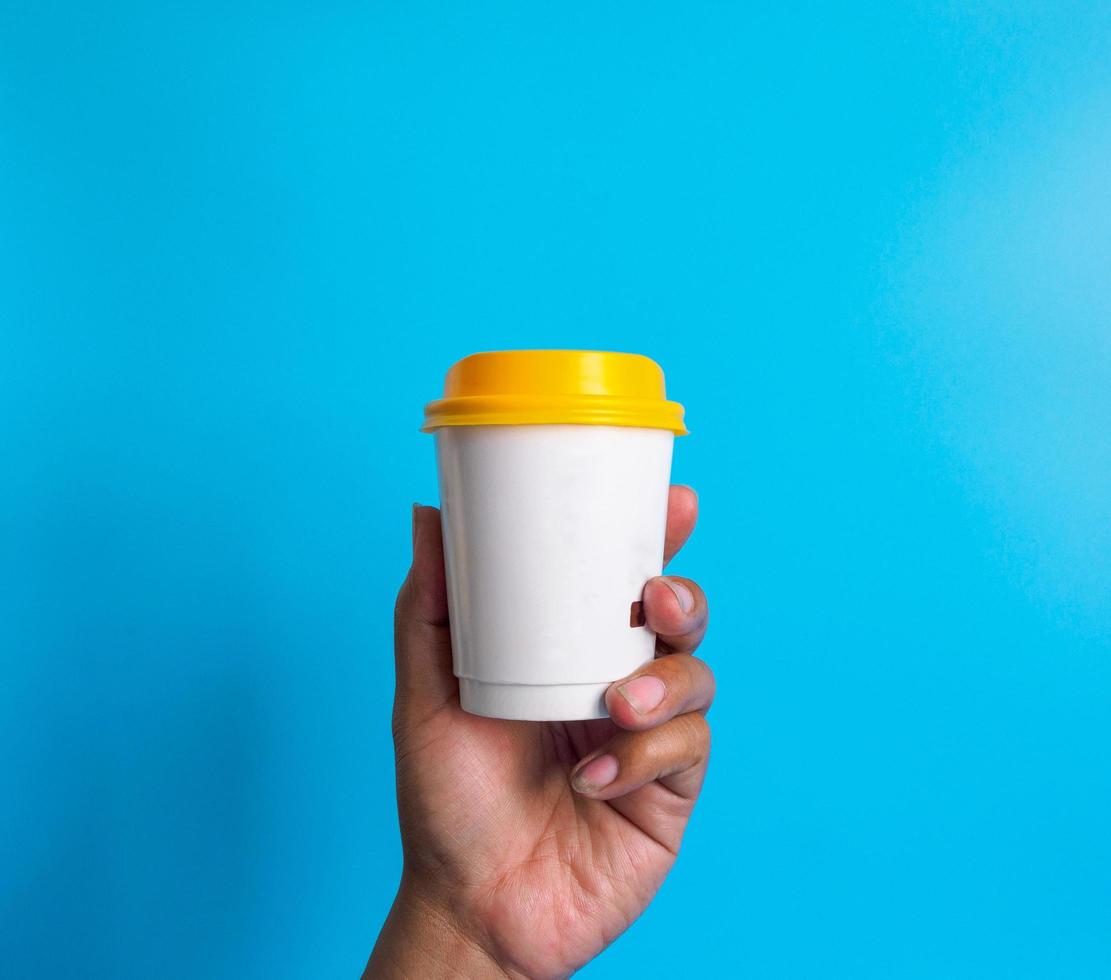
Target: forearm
[(419, 941)]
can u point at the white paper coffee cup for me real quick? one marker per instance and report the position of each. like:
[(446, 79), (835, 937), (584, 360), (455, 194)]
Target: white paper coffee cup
[(551, 528)]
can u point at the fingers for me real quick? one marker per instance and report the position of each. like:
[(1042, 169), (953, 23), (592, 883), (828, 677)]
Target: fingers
[(660, 707), (422, 641), (674, 754), (675, 609), (661, 690), (682, 512)]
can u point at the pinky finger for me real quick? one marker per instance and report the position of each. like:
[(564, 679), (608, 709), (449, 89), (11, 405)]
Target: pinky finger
[(674, 753)]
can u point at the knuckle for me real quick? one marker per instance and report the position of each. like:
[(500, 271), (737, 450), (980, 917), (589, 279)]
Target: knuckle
[(707, 682), (683, 742), (696, 735), (676, 675), (689, 680), (646, 752)]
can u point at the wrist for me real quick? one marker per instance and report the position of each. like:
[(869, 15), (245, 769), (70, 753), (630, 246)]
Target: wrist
[(422, 939)]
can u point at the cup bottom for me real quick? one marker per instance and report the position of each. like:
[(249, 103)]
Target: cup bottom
[(534, 702)]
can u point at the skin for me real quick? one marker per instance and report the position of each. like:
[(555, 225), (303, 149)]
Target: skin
[(530, 846)]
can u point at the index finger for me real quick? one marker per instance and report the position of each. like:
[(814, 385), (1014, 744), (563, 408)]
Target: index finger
[(682, 512)]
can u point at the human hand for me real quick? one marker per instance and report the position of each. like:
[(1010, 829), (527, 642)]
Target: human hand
[(530, 846)]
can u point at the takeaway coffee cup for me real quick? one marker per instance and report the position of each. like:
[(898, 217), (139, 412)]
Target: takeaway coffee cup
[(554, 469)]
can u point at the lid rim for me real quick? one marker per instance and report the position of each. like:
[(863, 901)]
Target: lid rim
[(555, 387)]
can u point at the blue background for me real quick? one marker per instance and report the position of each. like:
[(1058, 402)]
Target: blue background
[(870, 243)]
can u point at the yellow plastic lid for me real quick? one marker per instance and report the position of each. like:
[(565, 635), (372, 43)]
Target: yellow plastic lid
[(551, 387)]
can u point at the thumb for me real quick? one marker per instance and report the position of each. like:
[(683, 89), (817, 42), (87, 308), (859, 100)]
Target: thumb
[(422, 641)]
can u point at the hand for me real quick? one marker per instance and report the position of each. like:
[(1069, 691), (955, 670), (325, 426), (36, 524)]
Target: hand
[(530, 846)]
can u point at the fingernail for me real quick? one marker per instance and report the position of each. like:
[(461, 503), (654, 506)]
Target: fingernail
[(416, 507), (644, 693), (682, 593), (596, 774)]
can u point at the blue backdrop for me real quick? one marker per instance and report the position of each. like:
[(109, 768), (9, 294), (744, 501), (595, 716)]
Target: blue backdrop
[(241, 242)]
